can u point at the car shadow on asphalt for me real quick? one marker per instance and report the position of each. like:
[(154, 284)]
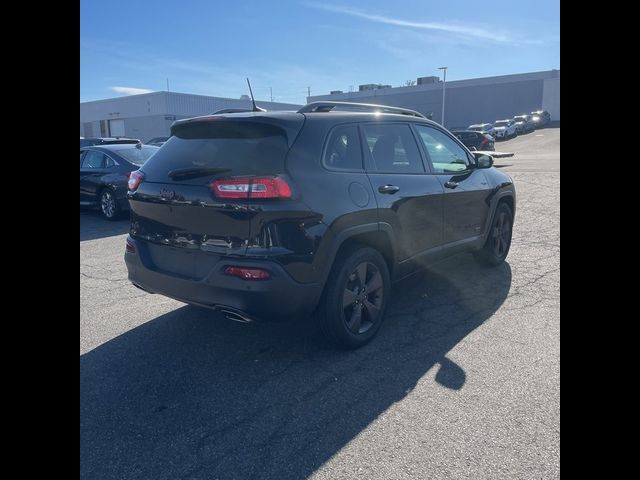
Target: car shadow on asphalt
[(192, 395), (93, 225)]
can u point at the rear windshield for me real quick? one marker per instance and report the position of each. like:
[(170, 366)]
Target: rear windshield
[(138, 156), (235, 148), (87, 142), (501, 124)]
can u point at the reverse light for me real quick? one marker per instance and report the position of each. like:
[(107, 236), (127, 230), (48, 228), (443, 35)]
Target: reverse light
[(252, 187), (248, 273), (135, 179)]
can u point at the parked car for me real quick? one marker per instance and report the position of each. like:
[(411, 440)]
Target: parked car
[(483, 128), (505, 129), (157, 141), (87, 142), (540, 118), (276, 215), (475, 140), (524, 123), (104, 172)]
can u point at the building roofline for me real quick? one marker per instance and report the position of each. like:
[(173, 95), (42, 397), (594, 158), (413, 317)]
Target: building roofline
[(469, 82), (160, 92)]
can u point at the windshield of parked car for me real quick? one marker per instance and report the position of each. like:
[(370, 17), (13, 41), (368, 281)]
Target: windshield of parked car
[(520, 119), (138, 156), (502, 123)]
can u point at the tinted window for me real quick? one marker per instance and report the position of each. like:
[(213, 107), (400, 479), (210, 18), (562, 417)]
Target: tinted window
[(108, 162), (81, 155), (343, 149), (87, 142), (393, 148), (236, 148), (93, 159), (138, 156), (445, 154), (158, 139)]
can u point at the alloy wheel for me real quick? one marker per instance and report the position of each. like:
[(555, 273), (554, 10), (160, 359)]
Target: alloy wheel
[(501, 234), (108, 204), (362, 298)]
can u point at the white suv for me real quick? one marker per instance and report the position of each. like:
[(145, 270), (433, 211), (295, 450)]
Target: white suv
[(504, 129), (483, 128)]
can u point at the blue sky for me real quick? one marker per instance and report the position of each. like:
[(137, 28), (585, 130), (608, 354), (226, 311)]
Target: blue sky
[(209, 47)]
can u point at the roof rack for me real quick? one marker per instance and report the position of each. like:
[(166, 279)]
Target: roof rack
[(366, 107)]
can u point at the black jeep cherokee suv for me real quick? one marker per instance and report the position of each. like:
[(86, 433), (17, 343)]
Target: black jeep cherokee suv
[(273, 215)]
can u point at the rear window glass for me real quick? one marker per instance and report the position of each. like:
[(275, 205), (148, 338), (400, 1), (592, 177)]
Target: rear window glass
[(138, 156), (343, 149), (237, 148)]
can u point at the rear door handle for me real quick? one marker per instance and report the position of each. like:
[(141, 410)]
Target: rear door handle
[(451, 184), (391, 189)]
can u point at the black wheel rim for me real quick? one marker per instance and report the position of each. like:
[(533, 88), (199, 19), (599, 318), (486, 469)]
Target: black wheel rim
[(362, 298), (501, 234), (108, 204)]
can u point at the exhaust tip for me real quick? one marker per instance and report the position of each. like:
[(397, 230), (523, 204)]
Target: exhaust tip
[(236, 316)]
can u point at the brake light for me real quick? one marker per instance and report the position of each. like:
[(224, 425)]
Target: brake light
[(135, 179), (248, 273), (252, 187)]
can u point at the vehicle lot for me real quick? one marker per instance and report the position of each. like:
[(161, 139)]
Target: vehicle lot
[(461, 382)]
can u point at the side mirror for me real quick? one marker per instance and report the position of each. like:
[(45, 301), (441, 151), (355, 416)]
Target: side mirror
[(484, 161)]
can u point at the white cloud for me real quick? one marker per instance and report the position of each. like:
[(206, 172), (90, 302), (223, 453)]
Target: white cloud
[(478, 33), (130, 90)]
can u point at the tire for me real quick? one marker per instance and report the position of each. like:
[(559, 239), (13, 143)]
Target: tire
[(108, 204), (498, 243), (349, 318)]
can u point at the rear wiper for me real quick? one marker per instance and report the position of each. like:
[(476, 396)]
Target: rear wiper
[(186, 173)]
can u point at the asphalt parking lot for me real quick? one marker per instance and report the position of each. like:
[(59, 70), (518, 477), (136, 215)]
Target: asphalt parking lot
[(461, 382)]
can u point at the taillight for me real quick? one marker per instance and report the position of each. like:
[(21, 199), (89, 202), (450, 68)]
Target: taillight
[(248, 273), (135, 179), (251, 187)]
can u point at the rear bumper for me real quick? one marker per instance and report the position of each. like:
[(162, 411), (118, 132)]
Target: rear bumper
[(278, 298)]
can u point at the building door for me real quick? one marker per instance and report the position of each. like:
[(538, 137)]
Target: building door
[(116, 128)]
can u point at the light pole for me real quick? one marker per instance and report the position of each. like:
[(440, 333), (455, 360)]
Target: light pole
[(444, 85)]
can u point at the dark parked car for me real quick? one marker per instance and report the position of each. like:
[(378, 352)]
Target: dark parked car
[(280, 215), (540, 118), (475, 140), (104, 172), (158, 141), (524, 123), (87, 142)]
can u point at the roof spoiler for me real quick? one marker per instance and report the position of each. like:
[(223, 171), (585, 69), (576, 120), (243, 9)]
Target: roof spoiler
[(232, 110), (357, 107)]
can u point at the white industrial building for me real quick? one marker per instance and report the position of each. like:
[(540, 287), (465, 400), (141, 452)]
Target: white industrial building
[(150, 115), (474, 100)]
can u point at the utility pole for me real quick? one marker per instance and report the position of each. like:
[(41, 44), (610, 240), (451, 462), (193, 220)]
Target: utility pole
[(168, 84), (308, 91), (271, 93), (444, 86)]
